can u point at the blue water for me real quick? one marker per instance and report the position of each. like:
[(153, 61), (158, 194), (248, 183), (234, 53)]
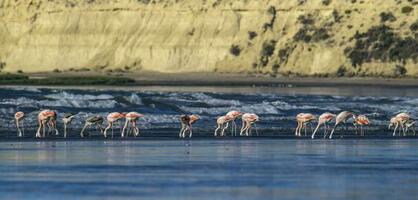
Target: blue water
[(277, 109), (157, 165), (210, 169)]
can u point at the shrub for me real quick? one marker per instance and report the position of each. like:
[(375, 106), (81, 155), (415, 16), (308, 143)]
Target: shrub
[(302, 35), (400, 70), (252, 34), (267, 51), (337, 16), (414, 26), (306, 20), (407, 9), (326, 2), (381, 43), (387, 16), (268, 48), (235, 50), (2, 65), (320, 34)]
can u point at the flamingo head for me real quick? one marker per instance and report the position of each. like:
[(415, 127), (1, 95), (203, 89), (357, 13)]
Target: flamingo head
[(19, 115), (194, 118)]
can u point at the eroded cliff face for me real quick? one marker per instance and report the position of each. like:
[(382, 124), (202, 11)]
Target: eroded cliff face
[(305, 37)]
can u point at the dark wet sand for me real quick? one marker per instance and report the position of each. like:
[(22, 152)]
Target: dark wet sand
[(239, 83), (236, 79)]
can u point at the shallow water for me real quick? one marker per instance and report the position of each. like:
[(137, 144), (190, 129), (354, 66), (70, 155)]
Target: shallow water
[(210, 169), (277, 107)]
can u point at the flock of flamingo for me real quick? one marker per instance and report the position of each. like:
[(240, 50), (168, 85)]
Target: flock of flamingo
[(48, 119)]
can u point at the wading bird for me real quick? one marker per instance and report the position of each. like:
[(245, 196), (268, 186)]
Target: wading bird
[(233, 114), (95, 120), (399, 120), (19, 116), (247, 120), (46, 118), (130, 124), (361, 121), (68, 117), (186, 124), (341, 119), (303, 119), (222, 122), (323, 120), (112, 118)]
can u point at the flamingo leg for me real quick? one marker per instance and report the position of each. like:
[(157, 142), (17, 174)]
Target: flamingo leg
[(107, 128), (43, 129), (316, 129), (112, 132), (136, 129), (216, 130), (247, 129), (244, 127), (55, 127), (394, 130), (255, 127), (122, 134), (84, 128), (38, 132), (23, 129), (65, 129), (234, 127), (223, 129), (100, 128), (332, 132), (183, 134), (19, 133), (296, 131), (244, 124), (190, 130)]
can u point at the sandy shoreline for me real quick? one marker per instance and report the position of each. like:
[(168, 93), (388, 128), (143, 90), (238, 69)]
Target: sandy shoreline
[(221, 79)]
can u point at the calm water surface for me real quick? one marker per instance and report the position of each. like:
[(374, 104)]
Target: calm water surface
[(158, 166), (210, 169)]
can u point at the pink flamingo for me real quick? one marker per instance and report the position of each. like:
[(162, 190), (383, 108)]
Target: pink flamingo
[(186, 124), (303, 119), (233, 114), (247, 120), (46, 118), (130, 123), (19, 116), (341, 118), (361, 121), (399, 120), (222, 124), (323, 120), (112, 118)]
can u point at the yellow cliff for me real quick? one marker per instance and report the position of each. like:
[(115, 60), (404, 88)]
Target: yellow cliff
[(287, 37)]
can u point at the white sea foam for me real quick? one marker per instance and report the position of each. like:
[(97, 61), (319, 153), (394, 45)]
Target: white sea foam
[(67, 95), (27, 89), (134, 99)]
